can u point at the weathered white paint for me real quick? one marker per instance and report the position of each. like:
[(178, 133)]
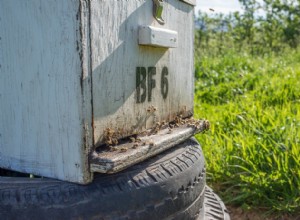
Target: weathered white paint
[(157, 37), (68, 71), (42, 110), (116, 55)]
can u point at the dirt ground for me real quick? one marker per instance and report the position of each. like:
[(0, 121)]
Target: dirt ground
[(237, 213)]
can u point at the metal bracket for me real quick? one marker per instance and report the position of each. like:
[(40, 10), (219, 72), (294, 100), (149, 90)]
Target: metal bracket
[(157, 37), (157, 10)]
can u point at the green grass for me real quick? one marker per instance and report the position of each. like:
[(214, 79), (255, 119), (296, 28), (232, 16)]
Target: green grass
[(253, 148)]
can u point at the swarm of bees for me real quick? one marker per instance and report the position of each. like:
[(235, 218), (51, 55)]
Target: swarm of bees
[(200, 125), (158, 127), (123, 149), (111, 137), (112, 148), (135, 141), (135, 145), (206, 125), (111, 140)]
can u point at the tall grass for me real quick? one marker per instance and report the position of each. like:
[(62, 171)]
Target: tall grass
[(253, 148)]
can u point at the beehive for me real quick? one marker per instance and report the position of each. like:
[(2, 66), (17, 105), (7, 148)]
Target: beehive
[(71, 69)]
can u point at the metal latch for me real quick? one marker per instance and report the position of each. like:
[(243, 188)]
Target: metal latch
[(157, 10)]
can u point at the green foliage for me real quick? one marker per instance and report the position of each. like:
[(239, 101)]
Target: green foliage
[(265, 26), (253, 148), (247, 70)]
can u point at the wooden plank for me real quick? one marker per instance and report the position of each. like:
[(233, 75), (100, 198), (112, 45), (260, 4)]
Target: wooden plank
[(86, 90), (41, 129), (129, 79), (130, 153)]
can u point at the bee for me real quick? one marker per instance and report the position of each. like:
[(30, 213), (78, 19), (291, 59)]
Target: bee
[(190, 125), (115, 141), (120, 132), (151, 109), (144, 133), (108, 137), (206, 125), (109, 131), (109, 141), (123, 149), (151, 143), (113, 148)]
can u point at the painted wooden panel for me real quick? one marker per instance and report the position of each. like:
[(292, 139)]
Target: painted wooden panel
[(136, 86), (42, 113), (71, 69)]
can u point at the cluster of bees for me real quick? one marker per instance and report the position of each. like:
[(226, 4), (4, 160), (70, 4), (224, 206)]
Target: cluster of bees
[(158, 126), (111, 137), (135, 143), (200, 125)]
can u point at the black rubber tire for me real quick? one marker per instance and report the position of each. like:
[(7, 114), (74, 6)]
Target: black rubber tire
[(213, 207), (168, 186)]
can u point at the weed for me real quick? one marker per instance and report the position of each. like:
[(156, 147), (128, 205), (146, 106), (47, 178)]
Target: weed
[(252, 149)]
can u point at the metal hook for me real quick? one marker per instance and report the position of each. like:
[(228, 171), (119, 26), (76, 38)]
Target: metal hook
[(157, 10)]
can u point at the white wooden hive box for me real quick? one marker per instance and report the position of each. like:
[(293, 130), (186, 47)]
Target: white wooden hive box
[(71, 69)]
